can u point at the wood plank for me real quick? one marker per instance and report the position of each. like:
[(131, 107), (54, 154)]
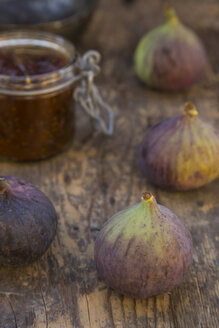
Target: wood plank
[(97, 176)]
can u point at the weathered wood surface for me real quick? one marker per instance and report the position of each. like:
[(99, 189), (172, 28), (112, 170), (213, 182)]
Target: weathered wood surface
[(98, 176)]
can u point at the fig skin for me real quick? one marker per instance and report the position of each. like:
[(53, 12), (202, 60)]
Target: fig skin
[(181, 153), (28, 222), (143, 250), (171, 57)]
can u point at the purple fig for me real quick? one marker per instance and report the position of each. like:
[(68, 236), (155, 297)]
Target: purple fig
[(143, 250), (181, 153), (170, 57), (28, 222)]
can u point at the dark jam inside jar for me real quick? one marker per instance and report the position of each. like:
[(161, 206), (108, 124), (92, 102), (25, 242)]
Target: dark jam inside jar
[(16, 62), (36, 86)]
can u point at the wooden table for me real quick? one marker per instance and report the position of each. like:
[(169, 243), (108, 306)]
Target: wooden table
[(99, 175)]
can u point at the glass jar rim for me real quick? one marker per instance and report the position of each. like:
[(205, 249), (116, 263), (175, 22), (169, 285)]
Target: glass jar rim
[(45, 82)]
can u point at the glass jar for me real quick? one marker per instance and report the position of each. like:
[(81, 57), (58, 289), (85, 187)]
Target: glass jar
[(38, 75)]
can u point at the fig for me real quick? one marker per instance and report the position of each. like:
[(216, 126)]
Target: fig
[(181, 153), (28, 222), (143, 250), (170, 57)]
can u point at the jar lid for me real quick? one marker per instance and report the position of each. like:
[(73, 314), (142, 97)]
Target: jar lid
[(35, 63)]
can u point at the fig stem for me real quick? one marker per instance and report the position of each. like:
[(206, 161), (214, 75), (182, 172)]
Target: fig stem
[(170, 14), (4, 186), (190, 109), (147, 196)]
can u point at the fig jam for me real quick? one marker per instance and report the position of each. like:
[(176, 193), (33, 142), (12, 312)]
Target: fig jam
[(17, 63), (36, 103)]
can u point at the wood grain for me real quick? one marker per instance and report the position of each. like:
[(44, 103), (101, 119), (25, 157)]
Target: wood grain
[(97, 176)]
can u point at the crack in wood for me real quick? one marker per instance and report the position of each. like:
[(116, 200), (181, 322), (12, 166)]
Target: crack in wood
[(110, 308), (202, 302), (12, 309), (43, 299), (172, 311), (88, 310), (123, 311), (155, 311)]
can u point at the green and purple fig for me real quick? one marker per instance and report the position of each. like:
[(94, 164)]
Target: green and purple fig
[(170, 57), (143, 250), (181, 153)]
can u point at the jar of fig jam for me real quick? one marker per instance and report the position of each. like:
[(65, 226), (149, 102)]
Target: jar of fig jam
[(39, 73)]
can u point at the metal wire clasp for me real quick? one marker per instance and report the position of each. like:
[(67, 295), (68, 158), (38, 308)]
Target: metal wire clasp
[(87, 94)]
